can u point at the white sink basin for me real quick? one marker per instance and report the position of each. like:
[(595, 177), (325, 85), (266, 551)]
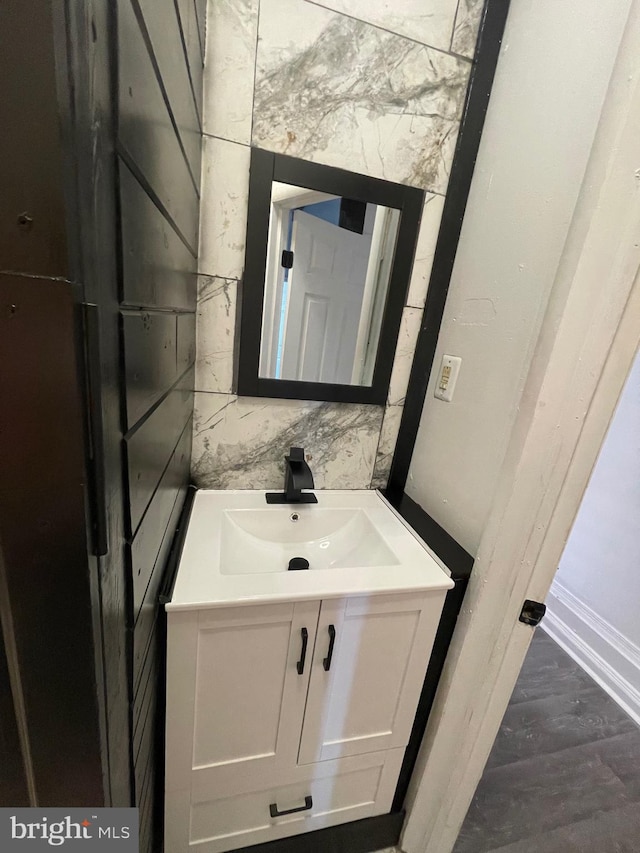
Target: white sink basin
[(238, 547), (265, 540)]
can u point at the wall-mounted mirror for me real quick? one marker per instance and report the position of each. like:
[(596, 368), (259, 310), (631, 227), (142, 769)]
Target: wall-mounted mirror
[(328, 261)]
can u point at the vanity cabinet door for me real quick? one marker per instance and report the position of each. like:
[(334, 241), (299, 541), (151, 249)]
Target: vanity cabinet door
[(369, 663), (237, 684)]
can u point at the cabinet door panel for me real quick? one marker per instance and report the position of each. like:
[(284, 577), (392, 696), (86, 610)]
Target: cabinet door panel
[(248, 663), (366, 699), (248, 696)]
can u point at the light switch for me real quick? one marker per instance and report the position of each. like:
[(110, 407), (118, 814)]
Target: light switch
[(447, 377)]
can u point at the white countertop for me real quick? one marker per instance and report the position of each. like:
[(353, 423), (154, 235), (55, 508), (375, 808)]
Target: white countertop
[(202, 583)]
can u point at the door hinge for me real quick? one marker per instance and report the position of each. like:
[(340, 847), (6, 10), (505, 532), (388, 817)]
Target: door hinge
[(287, 259), (532, 612)]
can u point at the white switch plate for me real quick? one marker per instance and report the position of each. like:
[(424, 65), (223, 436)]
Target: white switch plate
[(447, 377)]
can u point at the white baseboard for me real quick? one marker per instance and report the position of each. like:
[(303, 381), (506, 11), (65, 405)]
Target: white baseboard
[(609, 658)]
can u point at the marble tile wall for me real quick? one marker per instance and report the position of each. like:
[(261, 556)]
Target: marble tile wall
[(366, 85), (353, 95)]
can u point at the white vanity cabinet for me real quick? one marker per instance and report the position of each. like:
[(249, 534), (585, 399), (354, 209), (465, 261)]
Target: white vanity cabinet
[(291, 694), (288, 717)]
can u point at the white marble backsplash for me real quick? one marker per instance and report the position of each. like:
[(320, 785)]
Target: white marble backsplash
[(425, 250), (215, 327), (232, 31), (426, 22), (407, 337), (354, 96), (223, 208), (240, 442), (368, 85), (467, 23), (386, 446)]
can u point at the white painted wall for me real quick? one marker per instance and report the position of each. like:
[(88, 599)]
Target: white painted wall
[(593, 603), (587, 344), (601, 560), (552, 76)]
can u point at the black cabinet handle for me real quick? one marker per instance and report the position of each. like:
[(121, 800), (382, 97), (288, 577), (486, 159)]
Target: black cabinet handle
[(326, 663), (273, 808), (303, 654)]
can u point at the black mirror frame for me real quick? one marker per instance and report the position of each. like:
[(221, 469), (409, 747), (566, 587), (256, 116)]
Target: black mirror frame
[(267, 167)]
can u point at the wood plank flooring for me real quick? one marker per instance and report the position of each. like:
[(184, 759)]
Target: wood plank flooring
[(564, 772)]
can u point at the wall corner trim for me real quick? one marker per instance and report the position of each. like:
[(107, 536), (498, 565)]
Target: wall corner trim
[(599, 648)]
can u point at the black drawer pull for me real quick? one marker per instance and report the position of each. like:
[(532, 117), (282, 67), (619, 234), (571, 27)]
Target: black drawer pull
[(326, 663), (303, 654), (273, 808)]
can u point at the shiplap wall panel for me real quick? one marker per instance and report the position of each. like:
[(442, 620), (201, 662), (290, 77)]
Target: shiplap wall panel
[(151, 362), (158, 271), (162, 24), (147, 545), (201, 15), (150, 446), (159, 143), (146, 132), (145, 620), (186, 342), (192, 41)]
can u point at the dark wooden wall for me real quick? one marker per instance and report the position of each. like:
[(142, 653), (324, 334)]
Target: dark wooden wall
[(160, 58), (99, 212), (51, 676)]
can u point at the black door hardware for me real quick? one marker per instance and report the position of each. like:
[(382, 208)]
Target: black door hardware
[(326, 663), (532, 612), (273, 808), (297, 476), (287, 259), (303, 654)]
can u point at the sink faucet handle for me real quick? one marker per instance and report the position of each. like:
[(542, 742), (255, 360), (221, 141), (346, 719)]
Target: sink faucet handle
[(297, 476)]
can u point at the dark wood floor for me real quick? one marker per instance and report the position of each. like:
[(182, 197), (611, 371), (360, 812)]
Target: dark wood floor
[(564, 772)]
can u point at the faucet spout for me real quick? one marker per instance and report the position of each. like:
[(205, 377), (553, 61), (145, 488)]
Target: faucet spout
[(297, 476)]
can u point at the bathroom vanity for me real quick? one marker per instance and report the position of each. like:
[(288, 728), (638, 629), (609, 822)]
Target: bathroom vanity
[(291, 693)]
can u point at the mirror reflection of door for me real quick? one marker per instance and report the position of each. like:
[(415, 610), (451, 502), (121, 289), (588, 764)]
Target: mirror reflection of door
[(329, 260)]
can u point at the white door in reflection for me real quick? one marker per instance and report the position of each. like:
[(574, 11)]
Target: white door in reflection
[(325, 291), (327, 277)]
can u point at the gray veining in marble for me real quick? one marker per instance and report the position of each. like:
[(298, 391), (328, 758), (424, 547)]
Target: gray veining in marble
[(349, 83), (239, 443), (338, 91), (232, 31), (386, 446), (465, 32), (405, 349), (429, 23), (223, 207), (215, 328), (425, 250)]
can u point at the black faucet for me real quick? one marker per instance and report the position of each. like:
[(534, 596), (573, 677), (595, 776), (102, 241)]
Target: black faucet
[(297, 476)]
